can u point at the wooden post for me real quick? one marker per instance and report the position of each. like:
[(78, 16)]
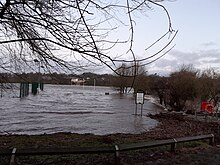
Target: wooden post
[(173, 145), (12, 160), (117, 159), (211, 140)]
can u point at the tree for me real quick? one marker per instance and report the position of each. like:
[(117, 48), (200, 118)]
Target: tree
[(209, 85), (69, 33), (123, 80), (159, 86), (131, 76), (186, 88), (182, 87), (140, 79)]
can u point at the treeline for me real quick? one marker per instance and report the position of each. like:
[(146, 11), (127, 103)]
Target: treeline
[(182, 90), (56, 78), (187, 88)]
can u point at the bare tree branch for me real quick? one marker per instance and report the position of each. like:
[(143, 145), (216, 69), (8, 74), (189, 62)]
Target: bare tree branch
[(49, 29)]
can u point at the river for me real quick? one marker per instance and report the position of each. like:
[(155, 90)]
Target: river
[(76, 109)]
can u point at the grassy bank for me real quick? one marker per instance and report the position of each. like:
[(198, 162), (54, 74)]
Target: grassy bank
[(171, 126)]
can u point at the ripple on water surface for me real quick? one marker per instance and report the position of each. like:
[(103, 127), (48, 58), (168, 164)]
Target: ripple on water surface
[(74, 109)]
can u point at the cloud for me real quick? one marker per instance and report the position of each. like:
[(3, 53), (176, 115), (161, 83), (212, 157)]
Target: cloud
[(201, 59), (207, 44)]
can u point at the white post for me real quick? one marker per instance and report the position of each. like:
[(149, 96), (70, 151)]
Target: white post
[(94, 84)]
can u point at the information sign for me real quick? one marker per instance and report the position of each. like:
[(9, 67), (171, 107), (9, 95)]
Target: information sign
[(140, 98)]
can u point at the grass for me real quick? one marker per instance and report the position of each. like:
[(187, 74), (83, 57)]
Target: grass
[(193, 144), (67, 140)]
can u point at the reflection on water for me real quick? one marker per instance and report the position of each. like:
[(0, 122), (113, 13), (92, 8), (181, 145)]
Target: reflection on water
[(74, 109)]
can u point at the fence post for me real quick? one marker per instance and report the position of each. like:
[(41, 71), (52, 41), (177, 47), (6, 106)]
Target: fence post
[(211, 140), (41, 86), (117, 159), (12, 161), (173, 145), (24, 89), (34, 88)]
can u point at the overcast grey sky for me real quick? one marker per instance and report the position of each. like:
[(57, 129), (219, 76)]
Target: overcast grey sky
[(198, 39)]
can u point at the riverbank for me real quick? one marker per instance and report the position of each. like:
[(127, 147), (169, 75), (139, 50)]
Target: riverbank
[(171, 126)]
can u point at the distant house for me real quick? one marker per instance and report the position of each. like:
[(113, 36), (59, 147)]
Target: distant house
[(77, 81)]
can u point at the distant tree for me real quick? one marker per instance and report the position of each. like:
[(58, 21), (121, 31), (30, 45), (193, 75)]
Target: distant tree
[(123, 80), (140, 78), (66, 33), (159, 86), (182, 87), (209, 85), (131, 76)]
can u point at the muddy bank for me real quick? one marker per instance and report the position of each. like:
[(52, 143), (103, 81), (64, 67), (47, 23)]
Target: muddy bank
[(179, 125), (170, 126)]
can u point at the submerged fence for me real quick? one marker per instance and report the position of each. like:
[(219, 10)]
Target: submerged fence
[(116, 149), (35, 86), (24, 89)]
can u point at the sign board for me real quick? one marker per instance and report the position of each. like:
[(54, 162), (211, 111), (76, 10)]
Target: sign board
[(140, 98)]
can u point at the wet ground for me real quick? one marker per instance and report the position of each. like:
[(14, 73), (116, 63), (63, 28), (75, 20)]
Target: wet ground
[(171, 126), (75, 109)]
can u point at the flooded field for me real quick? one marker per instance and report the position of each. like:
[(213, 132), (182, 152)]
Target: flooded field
[(76, 109)]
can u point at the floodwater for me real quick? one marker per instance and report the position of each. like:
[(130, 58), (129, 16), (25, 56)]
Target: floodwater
[(76, 109)]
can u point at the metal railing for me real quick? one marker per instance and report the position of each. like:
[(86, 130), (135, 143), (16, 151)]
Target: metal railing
[(116, 149)]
